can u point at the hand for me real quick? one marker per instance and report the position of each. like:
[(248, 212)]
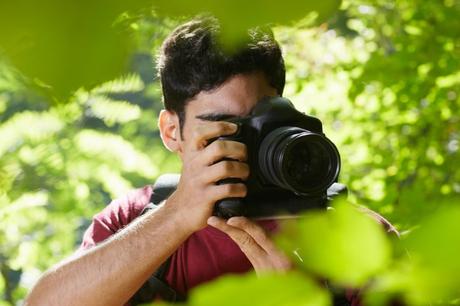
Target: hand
[(254, 243), (203, 167)]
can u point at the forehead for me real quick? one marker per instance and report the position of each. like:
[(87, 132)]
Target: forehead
[(237, 96)]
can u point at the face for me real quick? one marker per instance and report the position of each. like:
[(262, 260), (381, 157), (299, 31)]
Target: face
[(236, 97)]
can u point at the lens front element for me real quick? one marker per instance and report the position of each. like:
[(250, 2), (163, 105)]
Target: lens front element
[(294, 158)]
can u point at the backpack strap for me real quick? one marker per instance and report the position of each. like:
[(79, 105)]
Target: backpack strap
[(156, 286), (163, 187)]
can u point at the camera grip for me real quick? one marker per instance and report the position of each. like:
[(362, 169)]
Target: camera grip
[(229, 207)]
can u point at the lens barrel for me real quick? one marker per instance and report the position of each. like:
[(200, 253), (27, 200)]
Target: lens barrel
[(302, 161)]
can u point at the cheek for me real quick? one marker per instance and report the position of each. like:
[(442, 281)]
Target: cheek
[(187, 132), (187, 123), (186, 137)]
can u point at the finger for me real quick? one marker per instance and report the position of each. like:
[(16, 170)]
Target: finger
[(244, 241), (219, 192), (255, 230), (278, 258), (227, 169), (206, 130), (220, 149)]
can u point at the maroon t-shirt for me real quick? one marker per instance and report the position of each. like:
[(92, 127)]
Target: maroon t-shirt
[(205, 255)]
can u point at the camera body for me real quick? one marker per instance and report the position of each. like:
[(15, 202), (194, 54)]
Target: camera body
[(292, 164)]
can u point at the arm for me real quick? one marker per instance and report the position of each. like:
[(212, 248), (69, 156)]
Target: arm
[(112, 271)]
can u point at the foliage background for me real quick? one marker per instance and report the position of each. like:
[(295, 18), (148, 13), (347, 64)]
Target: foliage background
[(384, 77)]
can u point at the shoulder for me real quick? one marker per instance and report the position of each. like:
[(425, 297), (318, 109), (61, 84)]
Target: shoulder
[(125, 209), (119, 213)]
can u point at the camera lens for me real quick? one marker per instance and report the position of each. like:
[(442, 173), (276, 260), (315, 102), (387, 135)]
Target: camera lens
[(304, 162)]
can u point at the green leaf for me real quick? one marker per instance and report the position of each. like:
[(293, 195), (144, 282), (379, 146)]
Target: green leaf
[(343, 245), (434, 250), (292, 289), (115, 151), (28, 126), (25, 201)]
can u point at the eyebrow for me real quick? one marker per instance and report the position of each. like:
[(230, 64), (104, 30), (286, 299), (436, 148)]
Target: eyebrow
[(216, 116)]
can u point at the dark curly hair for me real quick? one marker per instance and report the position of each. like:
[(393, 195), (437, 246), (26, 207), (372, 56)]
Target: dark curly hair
[(192, 60)]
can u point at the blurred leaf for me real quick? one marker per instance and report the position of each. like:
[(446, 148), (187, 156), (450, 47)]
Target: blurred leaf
[(73, 44), (427, 271), (343, 245), (238, 16), (290, 289), (26, 201), (434, 250), (68, 44), (117, 151), (27, 126)]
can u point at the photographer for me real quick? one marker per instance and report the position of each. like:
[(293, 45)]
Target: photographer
[(202, 86)]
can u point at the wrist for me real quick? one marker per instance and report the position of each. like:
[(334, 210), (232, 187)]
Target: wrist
[(180, 214)]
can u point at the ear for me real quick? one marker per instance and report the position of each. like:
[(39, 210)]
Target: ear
[(168, 123)]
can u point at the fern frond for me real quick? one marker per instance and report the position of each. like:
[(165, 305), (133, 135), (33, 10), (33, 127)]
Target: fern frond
[(125, 84), (28, 126), (113, 111), (115, 151)]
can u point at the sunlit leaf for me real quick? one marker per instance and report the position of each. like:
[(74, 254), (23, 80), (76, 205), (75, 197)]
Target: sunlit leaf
[(434, 249), (116, 151), (26, 201), (290, 289), (27, 126), (343, 245)]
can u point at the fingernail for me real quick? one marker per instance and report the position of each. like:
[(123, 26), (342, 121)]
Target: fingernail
[(212, 220), (234, 127), (232, 221)]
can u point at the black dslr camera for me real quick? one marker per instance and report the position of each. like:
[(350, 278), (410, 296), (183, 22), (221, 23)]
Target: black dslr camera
[(292, 164)]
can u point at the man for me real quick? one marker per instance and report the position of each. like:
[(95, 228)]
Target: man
[(202, 86)]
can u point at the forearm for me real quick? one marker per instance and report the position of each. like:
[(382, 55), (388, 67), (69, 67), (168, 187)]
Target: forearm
[(111, 272)]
